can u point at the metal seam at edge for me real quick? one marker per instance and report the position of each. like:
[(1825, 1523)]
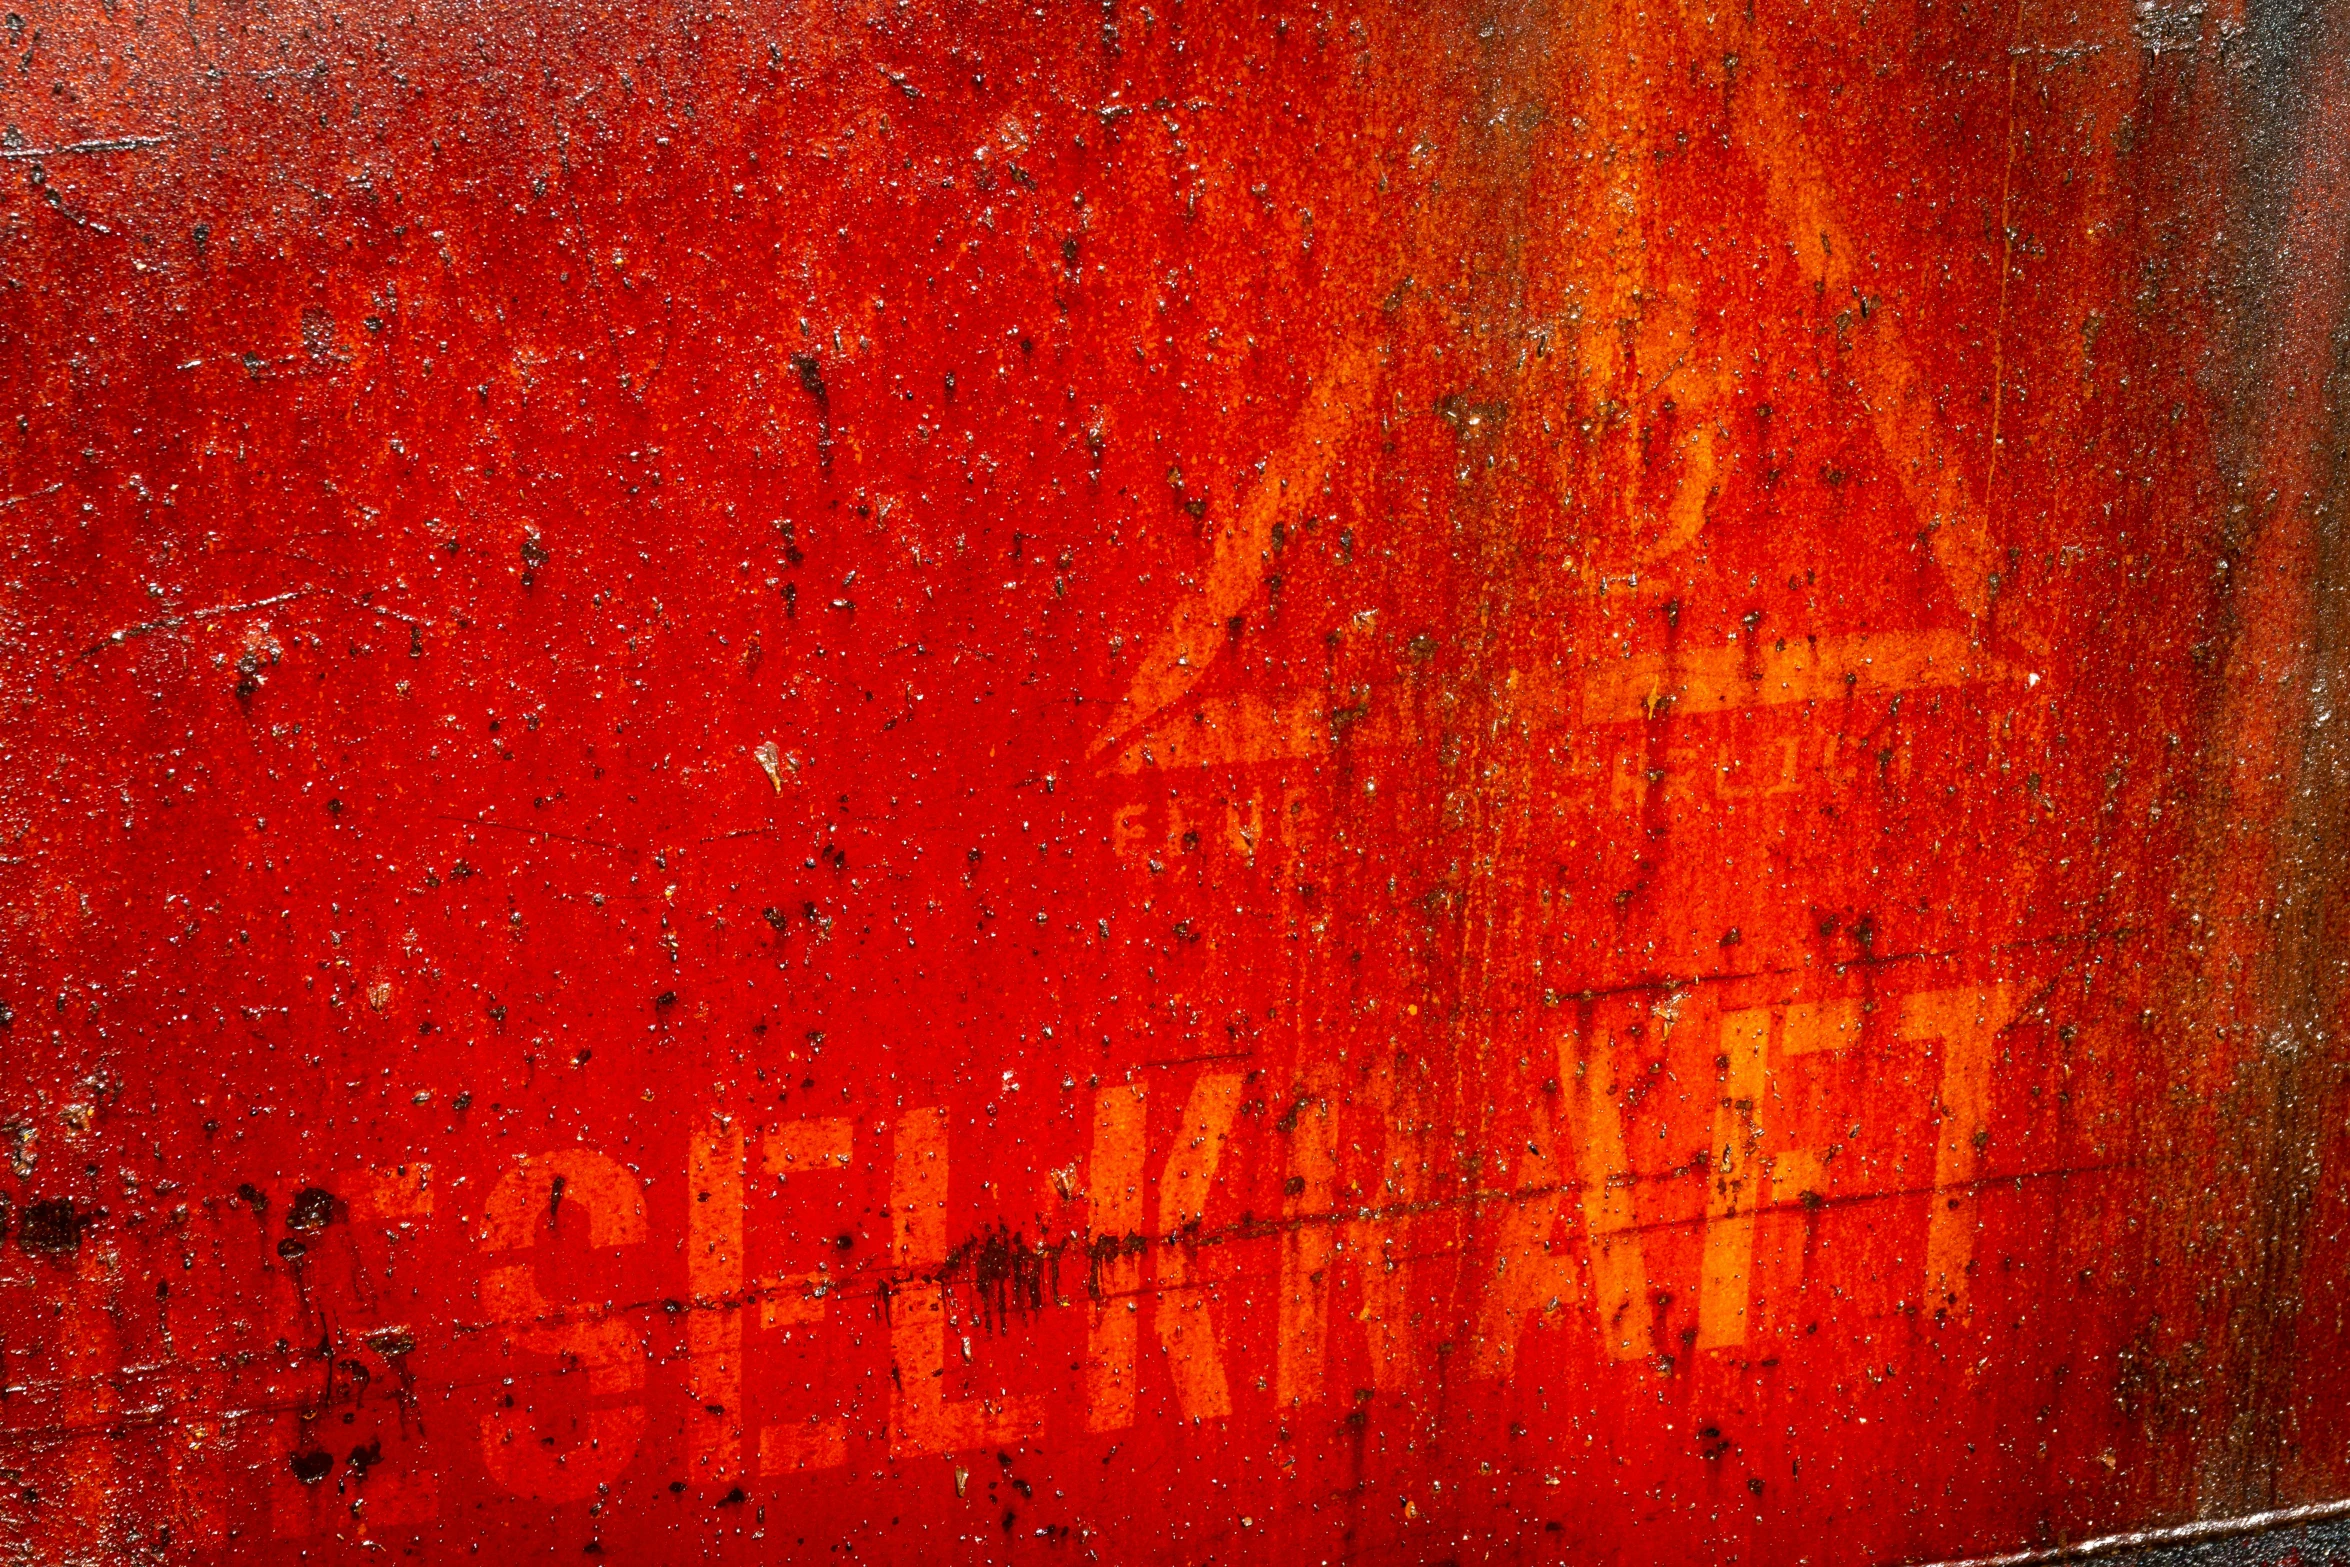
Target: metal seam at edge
[(2182, 1534)]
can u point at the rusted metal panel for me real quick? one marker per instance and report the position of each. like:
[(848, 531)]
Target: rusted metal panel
[(1474, 782)]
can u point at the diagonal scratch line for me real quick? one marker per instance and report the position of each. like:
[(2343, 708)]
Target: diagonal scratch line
[(174, 622), (82, 148), (878, 1288), (174, 1389), (535, 832)]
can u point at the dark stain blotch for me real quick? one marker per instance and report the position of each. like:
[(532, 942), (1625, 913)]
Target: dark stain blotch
[(391, 1343), (811, 376), (313, 1209), (1007, 1275), (52, 1228)]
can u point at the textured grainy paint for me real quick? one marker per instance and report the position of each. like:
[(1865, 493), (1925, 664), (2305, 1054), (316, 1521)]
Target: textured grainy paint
[(1169, 782)]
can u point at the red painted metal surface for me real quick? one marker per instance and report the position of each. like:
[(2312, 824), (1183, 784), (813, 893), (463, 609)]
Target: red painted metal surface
[(1162, 783)]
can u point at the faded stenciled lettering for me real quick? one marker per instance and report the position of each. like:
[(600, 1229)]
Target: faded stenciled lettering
[(930, 1409), (1195, 1357), (1563, 1226), (586, 1441)]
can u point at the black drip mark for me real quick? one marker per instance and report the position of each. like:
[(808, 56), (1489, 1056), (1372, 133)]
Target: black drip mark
[(812, 380)]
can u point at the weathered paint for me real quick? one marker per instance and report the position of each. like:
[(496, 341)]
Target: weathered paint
[(1519, 782)]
